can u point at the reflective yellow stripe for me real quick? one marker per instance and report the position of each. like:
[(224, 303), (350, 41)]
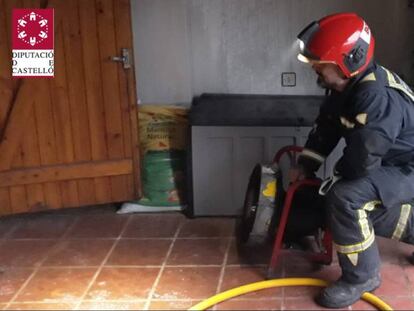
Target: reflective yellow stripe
[(390, 76), (353, 258), (402, 222), (370, 77), (313, 155), (363, 223), (399, 86), (356, 248), (362, 118), (402, 89), (369, 206), (366, 231), (363, 219), (347, 123)]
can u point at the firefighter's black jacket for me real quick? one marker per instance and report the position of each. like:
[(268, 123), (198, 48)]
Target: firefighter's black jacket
[(375, 115)]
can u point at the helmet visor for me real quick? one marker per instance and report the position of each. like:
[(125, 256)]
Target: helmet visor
[(304, 59), (304, 37)]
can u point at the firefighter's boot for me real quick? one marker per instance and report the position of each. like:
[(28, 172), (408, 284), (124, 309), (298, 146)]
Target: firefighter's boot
[(341, 294)]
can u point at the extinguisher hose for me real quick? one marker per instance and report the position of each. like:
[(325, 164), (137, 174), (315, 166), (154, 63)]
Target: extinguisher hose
[(368, 297)]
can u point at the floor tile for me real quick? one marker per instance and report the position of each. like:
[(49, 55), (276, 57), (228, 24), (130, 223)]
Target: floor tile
[(79, 252), (409, 273), (153, 226), (262, 304), (41, 306), (405, 251), (304, 303), (112, 305), (123, 283), (394, 281), (41, 227), (329, 273), (249, 255), (326, 273), (57, 285), (98, 226), (238, 276), (388, 250), (198, 252), (100, 209), (394, 252), (119, 288), (208, 227), (24, 253), (172, 304), (187, 283), (140, 252), (11, 279), (7, 225), (364, 305), (397, 303)]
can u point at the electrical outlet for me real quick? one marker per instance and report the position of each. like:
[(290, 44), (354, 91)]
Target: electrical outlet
[(288, 79)]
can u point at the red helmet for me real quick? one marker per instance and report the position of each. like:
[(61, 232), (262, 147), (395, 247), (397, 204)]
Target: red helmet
[(343, 39)]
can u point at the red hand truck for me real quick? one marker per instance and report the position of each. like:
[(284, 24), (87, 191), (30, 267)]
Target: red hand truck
[(323, 257)]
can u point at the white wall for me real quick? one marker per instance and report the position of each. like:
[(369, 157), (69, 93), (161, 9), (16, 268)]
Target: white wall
[(187, 47)]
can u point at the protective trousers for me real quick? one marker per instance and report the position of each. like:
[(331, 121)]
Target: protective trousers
[(378, 204)]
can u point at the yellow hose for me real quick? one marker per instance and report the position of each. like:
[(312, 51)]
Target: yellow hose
[(372, 299)]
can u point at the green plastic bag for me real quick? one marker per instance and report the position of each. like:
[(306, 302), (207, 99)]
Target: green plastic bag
[(163, 139), (163, 178)]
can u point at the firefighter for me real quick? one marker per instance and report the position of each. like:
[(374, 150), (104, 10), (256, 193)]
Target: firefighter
[(371, 190)]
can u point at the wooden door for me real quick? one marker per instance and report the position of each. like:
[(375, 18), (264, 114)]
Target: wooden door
[(70, 140)]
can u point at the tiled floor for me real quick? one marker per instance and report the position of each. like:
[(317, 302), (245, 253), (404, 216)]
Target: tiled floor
[(95, 259)]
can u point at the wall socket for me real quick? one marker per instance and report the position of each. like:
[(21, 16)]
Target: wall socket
[(288, 79)]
